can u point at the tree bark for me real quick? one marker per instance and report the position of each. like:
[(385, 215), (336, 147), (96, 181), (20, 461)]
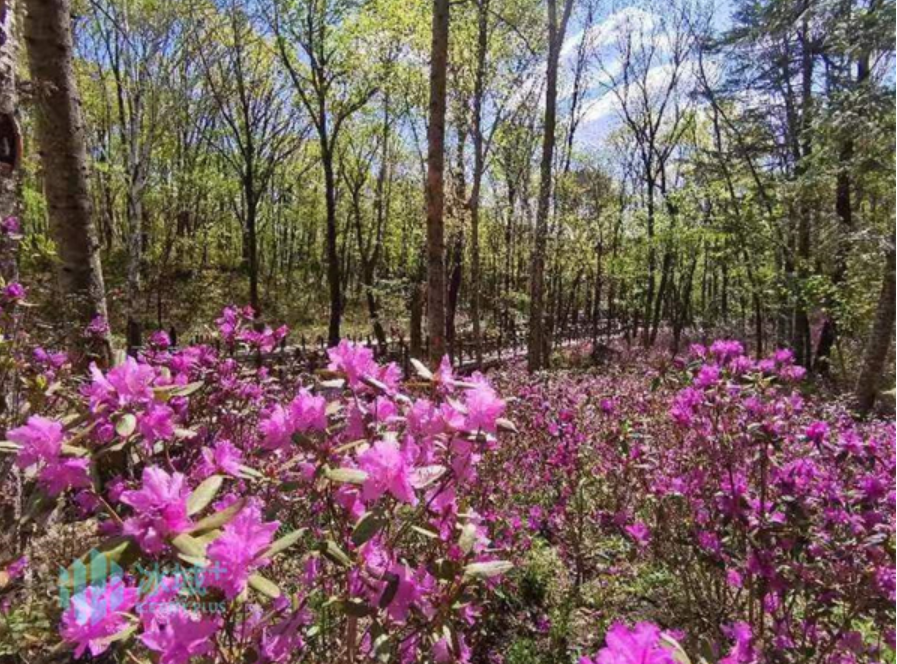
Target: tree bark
[(536, 356), (479, 163), (333, 267), (10, 142), (435, 181), (61, 138), (879, 343), (844, 210)]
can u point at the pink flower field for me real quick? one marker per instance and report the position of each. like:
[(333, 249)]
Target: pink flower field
[(653, 511)]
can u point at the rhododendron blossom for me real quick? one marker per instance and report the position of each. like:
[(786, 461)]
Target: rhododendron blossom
[(40, 440), (160, 506), (387, 471), (179, 636), (96, 614), (238, 551), (640, 644)]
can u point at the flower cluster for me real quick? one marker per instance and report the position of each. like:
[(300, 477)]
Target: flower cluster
[(189, 455), (771, 512)]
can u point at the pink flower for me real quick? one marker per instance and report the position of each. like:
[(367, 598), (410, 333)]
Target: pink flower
[(130, 382), (708, 376), (179, 636), (817, 432), (445, 376), (97, 613), (793, 373), (405, 592), (387, 470), (733, 578), (237, 551), (17, 568), (13, 292), (223, 457), (161, 506), (40, 439), (308, 412), (743, 650), (353, 360), (156, 423), (276, 428), (160, 340), (725, 350), (63, 474), (443, 652), (784, 356), (640, 533), (639, 645), (97, 328), (10, 226), (281, 641), (483, 405)]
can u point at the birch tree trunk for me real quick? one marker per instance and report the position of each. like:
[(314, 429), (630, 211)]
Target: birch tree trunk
[(61, 141), (10, 144)]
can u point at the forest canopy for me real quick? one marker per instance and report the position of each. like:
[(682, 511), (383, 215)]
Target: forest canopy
[(712, 169)]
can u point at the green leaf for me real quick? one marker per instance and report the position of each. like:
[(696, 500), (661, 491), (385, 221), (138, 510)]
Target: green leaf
[(218, 519), (672, 644), (126, 425), (487, 570), (264, 586), (186, 390), (250, 472), (194, 560), (9, 446), (122, 635), (389, 592), (204, 494), (332, 551), (189, 545), (346, 475), (354, 607), (426, 533), (445, 569), (368, 525), (284, 543), (421, 369), (468, 537), (116, 551), (74, 450), (506, 425)]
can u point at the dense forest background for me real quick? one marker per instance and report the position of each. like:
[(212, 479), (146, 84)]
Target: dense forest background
[(702, 170)]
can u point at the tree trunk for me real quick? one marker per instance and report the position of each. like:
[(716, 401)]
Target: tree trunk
[(10, 140), (479, 163), (536, 357), (252, 251), (456, 261), (416, 314), (333, 266), (134, 213), (652, 260), (879, 344), (60, 135), (844, 210), (435, 181)]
